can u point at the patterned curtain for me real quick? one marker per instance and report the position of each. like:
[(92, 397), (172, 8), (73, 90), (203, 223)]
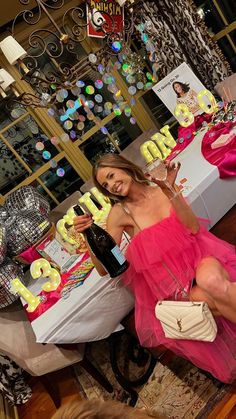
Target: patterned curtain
[(180, 35), (12, 382)]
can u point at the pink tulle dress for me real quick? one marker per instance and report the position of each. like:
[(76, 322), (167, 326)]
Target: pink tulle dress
[(170, 241)]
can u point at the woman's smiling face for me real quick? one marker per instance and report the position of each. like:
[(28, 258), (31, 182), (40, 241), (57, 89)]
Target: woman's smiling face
[(115, 181), (178, 88)]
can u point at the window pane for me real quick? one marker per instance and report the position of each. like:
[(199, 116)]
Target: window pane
[(24, 137), (62, 186), (156, 108), (228, 49), (97, 145), (228, 8), (122, 131), (9, 114), (11, 170)]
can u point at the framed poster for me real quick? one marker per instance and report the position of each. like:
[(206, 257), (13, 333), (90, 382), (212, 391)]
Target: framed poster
[(106, 14), (180, 86)]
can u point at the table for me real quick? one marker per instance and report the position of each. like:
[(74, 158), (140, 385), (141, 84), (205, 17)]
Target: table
[(209, 196), (91, 312)]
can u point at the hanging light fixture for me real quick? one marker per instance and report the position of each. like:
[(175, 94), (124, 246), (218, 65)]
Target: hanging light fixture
[(57, 39)]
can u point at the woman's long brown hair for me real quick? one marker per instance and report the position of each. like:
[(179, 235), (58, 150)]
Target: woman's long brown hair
[(118, 162)]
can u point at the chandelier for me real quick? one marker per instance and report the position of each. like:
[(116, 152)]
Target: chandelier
[(59, 39)]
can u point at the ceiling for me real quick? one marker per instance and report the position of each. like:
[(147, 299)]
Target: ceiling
[(11, 8)]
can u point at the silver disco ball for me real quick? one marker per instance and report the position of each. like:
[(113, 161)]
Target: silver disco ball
[(3, 214), (9, 270), (27, 198), (24, 229), (3, 245)]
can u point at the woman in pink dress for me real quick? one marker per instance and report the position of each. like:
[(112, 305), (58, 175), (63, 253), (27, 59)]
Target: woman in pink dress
[(165, 233)]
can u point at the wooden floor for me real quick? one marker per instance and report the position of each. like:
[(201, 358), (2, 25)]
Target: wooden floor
[(41, 406)]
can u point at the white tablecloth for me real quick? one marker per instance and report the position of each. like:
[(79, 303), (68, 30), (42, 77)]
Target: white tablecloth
[(209, 196), (91, 312), (94, 310)]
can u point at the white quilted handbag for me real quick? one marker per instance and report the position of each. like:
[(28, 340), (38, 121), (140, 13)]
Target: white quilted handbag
[(186, 320)]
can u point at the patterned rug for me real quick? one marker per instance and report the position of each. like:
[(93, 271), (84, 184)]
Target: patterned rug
[(180, 391)]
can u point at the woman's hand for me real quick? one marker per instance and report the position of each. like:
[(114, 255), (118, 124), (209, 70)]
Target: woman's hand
[(172, 171), (82, 222)]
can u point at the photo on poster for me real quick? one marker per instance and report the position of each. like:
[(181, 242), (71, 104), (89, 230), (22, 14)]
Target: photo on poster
[(180, 86)]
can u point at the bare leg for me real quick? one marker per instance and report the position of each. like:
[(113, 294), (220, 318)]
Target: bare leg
[(213, 281), (197, 294)]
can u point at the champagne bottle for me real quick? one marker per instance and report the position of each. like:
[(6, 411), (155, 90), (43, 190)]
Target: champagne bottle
[(104, 247)]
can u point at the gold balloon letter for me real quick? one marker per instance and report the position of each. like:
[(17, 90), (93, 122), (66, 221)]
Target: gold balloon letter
[(182, 110), (41, 267)]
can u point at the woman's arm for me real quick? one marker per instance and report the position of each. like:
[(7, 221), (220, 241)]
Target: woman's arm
[(182, 209)]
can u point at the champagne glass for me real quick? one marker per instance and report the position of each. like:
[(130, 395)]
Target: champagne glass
[(157, 169)]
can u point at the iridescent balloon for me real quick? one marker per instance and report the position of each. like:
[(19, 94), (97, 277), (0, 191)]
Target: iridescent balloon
[(90, 104), (130, 79), (140, 85), (132, 101), (81, 118), (68, 125), (104, 130), (46, 155), (144, 37), (117, 65), (108, 105), (101, 69), (73, 135), (80, 126), (74, 116), (108, 79), (53, 164), (148, 85), (24, 229), (65, 138), (112, 88), (26, 198), (80, 83), (98, 84), (98, 98), (54, 140), (98, 109), (51, 112), (39, 146), (92, 58), (127, 111), (126, 68), (132, 90), (76, 91), (149, 76), (132, 120), (90, 90), (90, 116), (9, 270), (122, 57), (116, 46), (60, 172), (70, 104), (117, 110)]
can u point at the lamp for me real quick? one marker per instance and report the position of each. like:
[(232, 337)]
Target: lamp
[(7, 83), (6, 79), (12, 50)]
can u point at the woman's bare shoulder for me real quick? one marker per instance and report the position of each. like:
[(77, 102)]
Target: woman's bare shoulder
[(117, 213)]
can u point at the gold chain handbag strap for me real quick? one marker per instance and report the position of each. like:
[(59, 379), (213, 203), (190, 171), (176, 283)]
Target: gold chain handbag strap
[(176, 281)]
